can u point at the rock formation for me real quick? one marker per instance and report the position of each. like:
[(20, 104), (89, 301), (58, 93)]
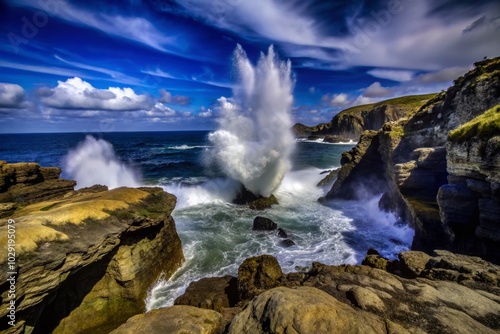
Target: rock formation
[(24, 183), (350, 123), (419, 293), (85, 260), (414, 158)]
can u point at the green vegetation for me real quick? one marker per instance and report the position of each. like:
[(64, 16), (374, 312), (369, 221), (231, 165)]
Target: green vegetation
[(483, 126), (411, 103)]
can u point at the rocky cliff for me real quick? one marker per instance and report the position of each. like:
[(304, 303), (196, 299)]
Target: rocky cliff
[(350, 123), (85, 259), (422, 155), (418, 293)]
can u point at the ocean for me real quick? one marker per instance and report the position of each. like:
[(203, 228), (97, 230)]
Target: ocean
[(216, 234)]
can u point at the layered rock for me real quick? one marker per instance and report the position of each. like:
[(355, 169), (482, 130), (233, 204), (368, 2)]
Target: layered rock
[(443, 293), (86, 261), (417, 161), (27, 182), (349, 124)]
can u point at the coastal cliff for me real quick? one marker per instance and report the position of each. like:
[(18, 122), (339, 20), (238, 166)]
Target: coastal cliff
[(434, 174), (350, 123), (84, 259)]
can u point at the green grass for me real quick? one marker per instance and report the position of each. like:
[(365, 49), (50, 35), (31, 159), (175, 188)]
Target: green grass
[(411, 102), (483, 126)]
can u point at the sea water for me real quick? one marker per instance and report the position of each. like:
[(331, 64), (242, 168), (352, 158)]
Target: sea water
[(217, 235)]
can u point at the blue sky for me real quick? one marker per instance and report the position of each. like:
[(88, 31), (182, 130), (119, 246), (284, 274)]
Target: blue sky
[(159, 65)]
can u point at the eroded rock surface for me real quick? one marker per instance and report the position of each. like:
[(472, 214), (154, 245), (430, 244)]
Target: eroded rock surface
[(86, 261)]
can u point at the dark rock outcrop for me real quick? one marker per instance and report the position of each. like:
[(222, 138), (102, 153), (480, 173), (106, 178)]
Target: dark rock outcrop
[(213, 293), (86, 261), (264, 224), (349, 124), (254, 202)]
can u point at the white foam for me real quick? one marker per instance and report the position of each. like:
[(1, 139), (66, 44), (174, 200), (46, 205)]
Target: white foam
[(94, 161), (186, 147), (254, 142)]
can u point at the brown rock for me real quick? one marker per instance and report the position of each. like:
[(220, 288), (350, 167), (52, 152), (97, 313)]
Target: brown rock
[(175, 319), (214, 293), (257, 274), (412, 263)]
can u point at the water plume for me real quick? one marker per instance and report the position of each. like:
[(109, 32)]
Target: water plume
[(254, 143), (94, 161)]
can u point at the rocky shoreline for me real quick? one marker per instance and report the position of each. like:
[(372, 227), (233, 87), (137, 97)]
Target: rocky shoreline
[(86, 258)]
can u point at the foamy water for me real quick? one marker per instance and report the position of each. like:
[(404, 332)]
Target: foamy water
[(217, 236)]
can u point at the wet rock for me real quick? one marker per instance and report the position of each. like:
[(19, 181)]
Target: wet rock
[(287, 243), (263, 203), (281, 233), (264, 224)]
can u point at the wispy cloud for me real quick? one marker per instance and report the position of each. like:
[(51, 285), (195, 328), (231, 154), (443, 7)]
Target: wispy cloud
[(115, 75), (43, 69)]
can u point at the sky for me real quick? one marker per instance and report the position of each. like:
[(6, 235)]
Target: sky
[(161, 65)]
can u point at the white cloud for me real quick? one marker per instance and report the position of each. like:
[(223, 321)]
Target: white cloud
[(159, 73), (314, 111), (160, 110), (445, 75), (312, 90), (41, 69), (75, 93), (394, 75), (376, 90), (11, 95), (339, 100), (167, 97), (206, 114), (137, 29), (187, 114)]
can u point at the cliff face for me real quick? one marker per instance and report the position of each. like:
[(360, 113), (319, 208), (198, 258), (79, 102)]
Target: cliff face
[(85, 261), (350, 123), (419, 161)]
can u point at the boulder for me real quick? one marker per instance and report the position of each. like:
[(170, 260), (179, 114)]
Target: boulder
[(257, 274), (175, 319), (287, 243), (303, 310), (413, 263), (365, 299), (264, 224), (214, 293), (281, 233), (263, 203)]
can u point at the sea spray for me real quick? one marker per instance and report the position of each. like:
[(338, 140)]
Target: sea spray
[(94, 161), (254, 143)]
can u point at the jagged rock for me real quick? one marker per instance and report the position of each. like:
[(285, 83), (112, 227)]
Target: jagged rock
[(360, 161), (88, 260), (27, 182), (257, 274), (263, 203), (175, 319), (264, 224), (332, 175), (214, 293), (287, 243), (413, 263), (416, 156), (303, 310), (281, 233), (350, 123)]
